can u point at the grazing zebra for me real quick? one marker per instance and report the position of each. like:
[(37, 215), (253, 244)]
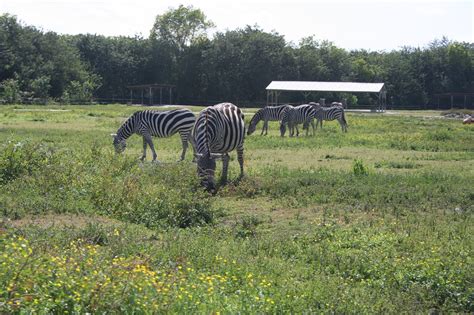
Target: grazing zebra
[(156, 123), (330, 113), (219, 129), (269, 113), (296, 115)]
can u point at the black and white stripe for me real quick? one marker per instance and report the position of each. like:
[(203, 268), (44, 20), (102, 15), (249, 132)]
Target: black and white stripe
[(330, 113), (337, 104), (219, 129), (159, 124), (269, 113), (292, 116)]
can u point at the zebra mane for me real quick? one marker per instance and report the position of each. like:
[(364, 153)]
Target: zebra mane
[(257, 117), (206, 132), (127, 128)]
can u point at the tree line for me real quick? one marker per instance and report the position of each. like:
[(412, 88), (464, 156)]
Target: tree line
[(235, 65)]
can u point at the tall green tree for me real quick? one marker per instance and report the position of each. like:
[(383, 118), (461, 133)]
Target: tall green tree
[(180, 26), (42, 64)]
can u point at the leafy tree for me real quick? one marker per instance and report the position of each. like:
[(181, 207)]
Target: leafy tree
[(180, 26), (42, 64), (10, 91), (460, 67)]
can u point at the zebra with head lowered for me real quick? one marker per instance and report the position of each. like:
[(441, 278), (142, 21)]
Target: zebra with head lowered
[(302, 114), (160, 124), (330, 113), (219, 129), (269, 113)]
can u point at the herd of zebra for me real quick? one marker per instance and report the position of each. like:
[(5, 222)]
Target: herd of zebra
[(218, 130)]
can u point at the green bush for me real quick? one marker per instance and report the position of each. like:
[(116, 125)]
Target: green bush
[(23, 158), (359, 168), (97, 181)]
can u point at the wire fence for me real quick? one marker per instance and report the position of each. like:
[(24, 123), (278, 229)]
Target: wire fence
[(447, 104)]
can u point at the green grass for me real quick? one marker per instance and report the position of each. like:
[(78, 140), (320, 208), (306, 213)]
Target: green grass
[(378, 220)]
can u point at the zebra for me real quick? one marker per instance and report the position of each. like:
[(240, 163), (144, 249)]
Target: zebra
[(337, 104), (330, 113), (297, 115), (160, 124), (269, 113), (219, 129)]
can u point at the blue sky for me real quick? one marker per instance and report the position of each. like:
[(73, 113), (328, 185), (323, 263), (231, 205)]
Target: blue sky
[(368, 24)]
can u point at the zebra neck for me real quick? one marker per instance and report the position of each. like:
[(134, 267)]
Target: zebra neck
[(206, 134), (127, 129), (256, 118)]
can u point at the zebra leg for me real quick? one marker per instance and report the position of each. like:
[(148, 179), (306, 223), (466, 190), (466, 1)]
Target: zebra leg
[(263, 128), (184, 141), (240, 158), (312, 124), (341, 124), (266, 127), (225, 167), (297, 131), (144, 149), (152, 147), (193, 146)]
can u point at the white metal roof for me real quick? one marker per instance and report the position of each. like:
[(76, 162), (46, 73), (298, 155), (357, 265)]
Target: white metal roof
[(325, 86)]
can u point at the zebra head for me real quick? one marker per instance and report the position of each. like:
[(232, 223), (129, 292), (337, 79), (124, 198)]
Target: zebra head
[(206, 166), (119, 143), (252, 127), (282, 129)]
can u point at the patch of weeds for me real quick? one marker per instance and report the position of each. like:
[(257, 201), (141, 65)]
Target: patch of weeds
[(23, 158), (358, 168), (439, 135), (94, 234), (247, 226)]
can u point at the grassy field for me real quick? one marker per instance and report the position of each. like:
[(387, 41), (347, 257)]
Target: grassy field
[(378, 220)]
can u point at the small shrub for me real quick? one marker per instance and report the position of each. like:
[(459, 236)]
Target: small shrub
[(358, 168), (23, 158), (247, 226)]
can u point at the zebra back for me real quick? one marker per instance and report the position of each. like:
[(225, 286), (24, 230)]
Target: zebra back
[(329, 113), (219, 129), (297, 115), (157, 123)]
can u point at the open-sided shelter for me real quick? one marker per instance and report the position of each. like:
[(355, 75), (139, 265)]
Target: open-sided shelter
[(275, 88)]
